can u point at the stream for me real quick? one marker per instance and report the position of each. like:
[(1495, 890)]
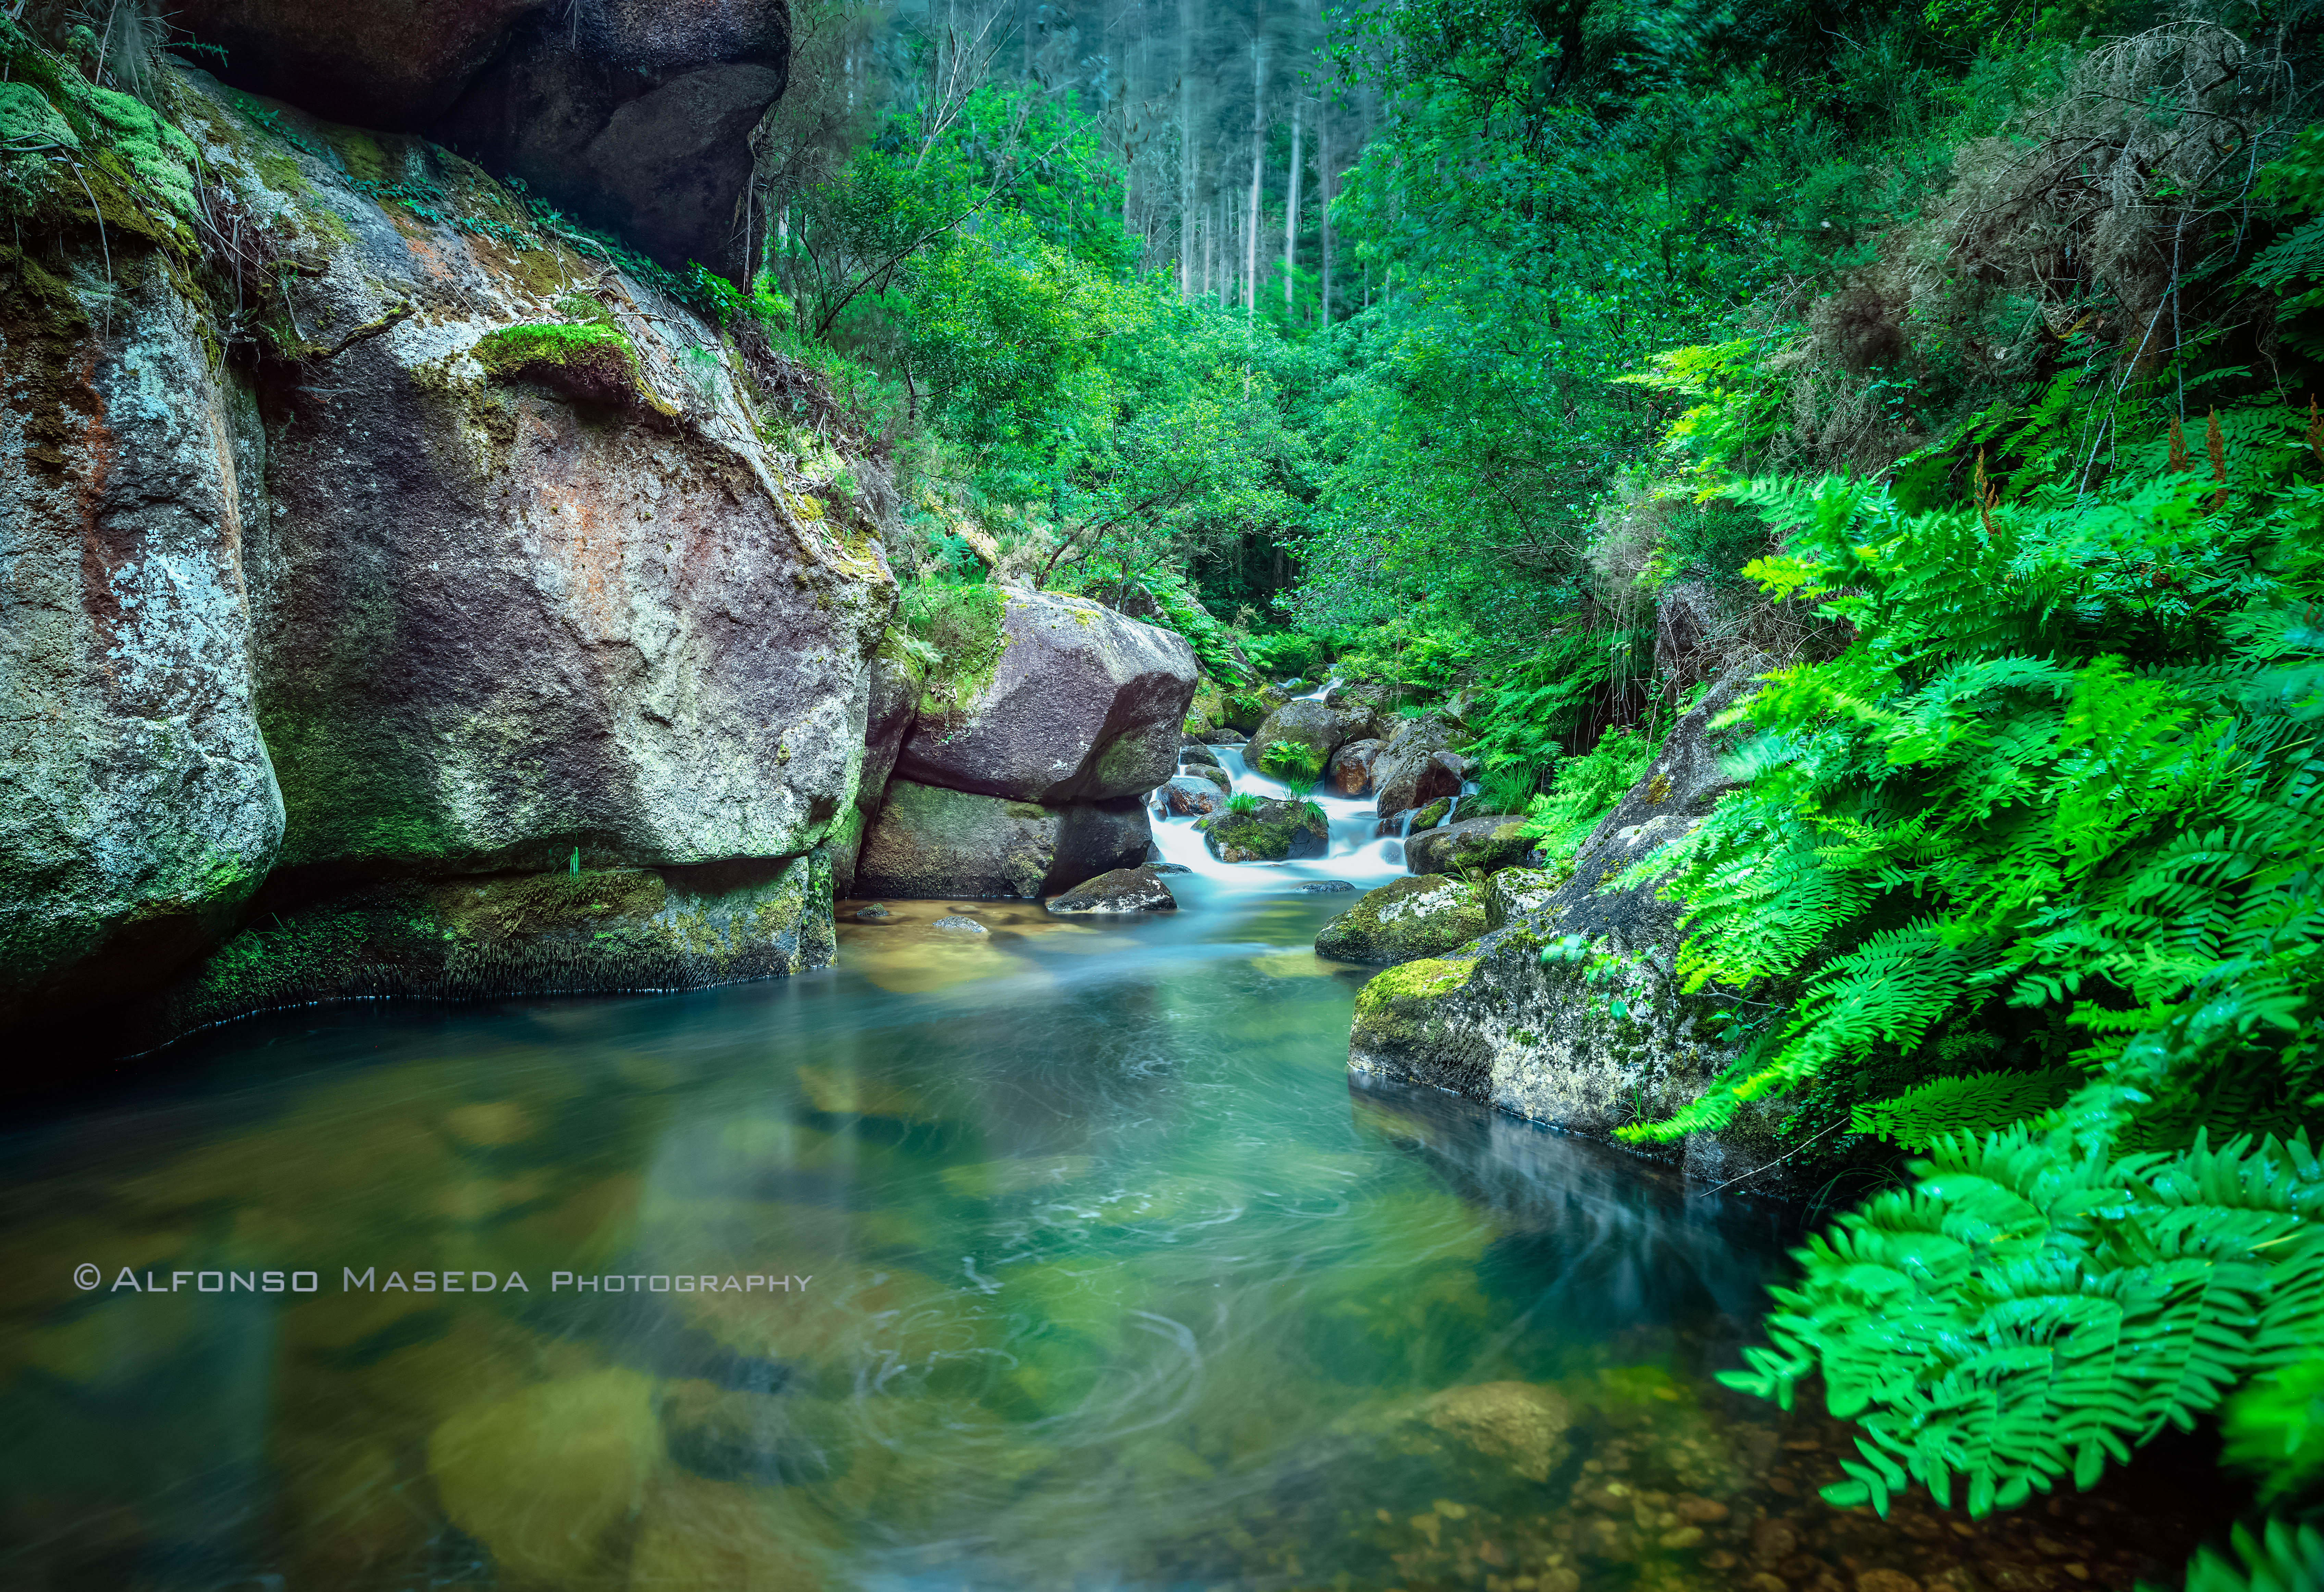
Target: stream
[(1061, 1255)]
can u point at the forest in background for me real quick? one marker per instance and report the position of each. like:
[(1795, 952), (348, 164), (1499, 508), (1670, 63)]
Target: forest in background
[(1950, 370), (1950, 366)]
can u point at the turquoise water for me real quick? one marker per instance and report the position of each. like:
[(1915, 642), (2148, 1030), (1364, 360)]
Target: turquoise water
[(1099, 1275)]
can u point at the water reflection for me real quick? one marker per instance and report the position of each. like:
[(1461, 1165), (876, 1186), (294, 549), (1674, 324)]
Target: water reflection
[(1062, 1257)]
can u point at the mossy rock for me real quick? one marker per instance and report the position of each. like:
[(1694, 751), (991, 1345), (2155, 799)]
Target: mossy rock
[(1296, 742), (589, 362), (1246, 709), (1208, 711), (1270, 831), (1397, 1010), (1405, 920), (1472, 845), (1431, 816)]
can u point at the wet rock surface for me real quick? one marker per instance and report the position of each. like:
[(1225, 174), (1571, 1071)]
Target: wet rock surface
[(391, 64), (1569, 1010), (1350, 772), (1124, 889), (1187, 795), (385, 607), (1408, 772), (1404, 920)]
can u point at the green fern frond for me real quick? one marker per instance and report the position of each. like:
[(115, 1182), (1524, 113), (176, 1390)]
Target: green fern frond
[(1976, 1103)]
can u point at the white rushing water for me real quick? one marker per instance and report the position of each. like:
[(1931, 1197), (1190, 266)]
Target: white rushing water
[(1355, 856)]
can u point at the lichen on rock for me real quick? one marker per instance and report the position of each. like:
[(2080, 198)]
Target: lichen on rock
[(1268, 832), (1405, 920)]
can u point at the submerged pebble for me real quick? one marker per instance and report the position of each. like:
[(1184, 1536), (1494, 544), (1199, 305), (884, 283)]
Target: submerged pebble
[(871, 914), (959, 926)]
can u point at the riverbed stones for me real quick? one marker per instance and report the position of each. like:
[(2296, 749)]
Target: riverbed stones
[(1404, 920), (931, 842), (1121, 890), (1327, 887), (1350, 770), (1194, 752), (957, 924), (544, 1477), (1469, 845), (1570, 1011), (1494, 1427), (1187, 795), (1082, 705), (1269, 832)]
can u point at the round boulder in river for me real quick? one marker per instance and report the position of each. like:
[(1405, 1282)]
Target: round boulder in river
[(1268, 832), (1404, 921), (1069, 703), (1123, 889), (1194, 751), (1295, 742)]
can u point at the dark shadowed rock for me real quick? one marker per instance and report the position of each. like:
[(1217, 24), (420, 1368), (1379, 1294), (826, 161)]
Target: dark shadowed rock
[(874, 913), (390, 64), (1482, 844), (634, 114), (1271, 831), (1083, 705), (1124, 889), (1187, 797), (1405, 919), (1351, 774), (895, 695), (1214, 776), (1194, 751), (933, 843), (1327, 887), (1226, 738)]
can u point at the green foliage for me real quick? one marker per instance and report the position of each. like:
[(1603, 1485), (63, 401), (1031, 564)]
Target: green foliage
[(1974, 1103), (2275, 1427), (954, 631), (509, 349), (2067, 765), (2036, 1304), (1242, 801), (2285, 1556), (1584, 790)]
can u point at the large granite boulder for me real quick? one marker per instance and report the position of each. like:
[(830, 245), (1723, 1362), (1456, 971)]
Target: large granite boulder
[(1124, 889), (933, 843), (379, 607), (1570, 1011), (1295, 742), (1469, 845), (1268, 832), (1082, 705), (634, 115), (393, 64), (1411, 770), (1405, 920)]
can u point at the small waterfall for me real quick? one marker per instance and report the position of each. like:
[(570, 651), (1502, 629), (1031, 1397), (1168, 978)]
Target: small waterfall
[(1355, 855)]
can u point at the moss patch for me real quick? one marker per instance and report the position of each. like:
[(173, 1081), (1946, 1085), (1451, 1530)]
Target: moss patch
[(959, 636), (590, 362), (503, 908)]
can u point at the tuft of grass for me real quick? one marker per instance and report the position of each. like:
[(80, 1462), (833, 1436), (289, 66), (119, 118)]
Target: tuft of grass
[(1242, 801)]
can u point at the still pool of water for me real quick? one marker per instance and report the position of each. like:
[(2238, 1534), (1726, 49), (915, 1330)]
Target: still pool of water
[(1099, 1273)]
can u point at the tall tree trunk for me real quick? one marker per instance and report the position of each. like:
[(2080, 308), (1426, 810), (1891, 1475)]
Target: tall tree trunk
[(1189, 17), (1323, 186), (1291, 216), (1257, 159)]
